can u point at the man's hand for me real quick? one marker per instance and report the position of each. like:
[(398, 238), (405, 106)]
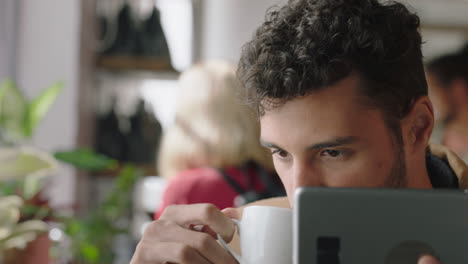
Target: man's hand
[(428, 260), (186, 234)]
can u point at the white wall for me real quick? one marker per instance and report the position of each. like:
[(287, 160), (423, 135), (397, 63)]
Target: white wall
[(48, 48), (441, 12), (8, 10), (444, 25), (228, 24)]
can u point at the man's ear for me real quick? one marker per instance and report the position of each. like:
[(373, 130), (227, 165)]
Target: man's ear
[(417, 125)]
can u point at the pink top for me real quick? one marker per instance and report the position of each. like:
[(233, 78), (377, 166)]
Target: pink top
[(206, 185)]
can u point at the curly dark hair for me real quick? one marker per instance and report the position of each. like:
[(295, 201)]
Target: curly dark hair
[(311, 44)]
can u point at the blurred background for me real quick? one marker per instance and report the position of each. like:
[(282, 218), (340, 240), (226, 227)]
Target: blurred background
[(118, 62)]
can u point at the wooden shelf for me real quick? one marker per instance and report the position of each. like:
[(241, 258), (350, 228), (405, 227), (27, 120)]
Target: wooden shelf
[(134, 63)]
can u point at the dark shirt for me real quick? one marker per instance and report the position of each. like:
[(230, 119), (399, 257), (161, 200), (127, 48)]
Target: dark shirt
[(440, 172)]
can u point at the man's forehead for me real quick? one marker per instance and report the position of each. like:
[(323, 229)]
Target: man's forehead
[(335, 112), (347, 91), (352, 86)]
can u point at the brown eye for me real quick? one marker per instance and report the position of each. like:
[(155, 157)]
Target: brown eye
[(280, 153), (331, 153)]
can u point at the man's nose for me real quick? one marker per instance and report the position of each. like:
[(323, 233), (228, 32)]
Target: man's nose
[(305, 175)]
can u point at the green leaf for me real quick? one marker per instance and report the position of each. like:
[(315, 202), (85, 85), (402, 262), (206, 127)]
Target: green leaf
[(13, 109), (32, 185), (73, 227), (9, 187), (21, 163), (38, 108), (90, 252), (31, 211), (86, 159), (92, 236)]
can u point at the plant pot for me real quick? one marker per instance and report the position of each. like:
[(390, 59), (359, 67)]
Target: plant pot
[(37, 252)]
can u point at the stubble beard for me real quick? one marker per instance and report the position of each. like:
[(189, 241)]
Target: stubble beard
[(397, 175)]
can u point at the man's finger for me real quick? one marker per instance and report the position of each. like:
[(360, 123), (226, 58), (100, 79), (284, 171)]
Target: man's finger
[(428, 260), (162, 231), (163, 253), (200, 214), (235, 213)]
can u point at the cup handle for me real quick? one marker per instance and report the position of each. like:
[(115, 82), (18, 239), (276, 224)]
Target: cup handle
[(226, 246)]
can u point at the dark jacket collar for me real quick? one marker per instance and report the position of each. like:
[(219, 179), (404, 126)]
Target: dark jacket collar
[(440, 172)]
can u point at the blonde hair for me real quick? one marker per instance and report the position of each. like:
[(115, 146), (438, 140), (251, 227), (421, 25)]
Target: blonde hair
[(212, 128)]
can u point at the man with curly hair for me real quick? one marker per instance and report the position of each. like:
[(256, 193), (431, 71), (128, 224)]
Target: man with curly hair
[(341, 95)]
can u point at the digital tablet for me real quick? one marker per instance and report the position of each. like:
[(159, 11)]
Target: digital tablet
[(374, 226)]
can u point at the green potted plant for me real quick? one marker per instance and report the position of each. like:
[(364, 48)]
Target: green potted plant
[(13, 233), (92, 236), (23, 171)]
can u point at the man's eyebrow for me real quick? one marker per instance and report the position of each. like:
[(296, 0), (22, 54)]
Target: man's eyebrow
[(268, 144), (334, 142), (327, 144)]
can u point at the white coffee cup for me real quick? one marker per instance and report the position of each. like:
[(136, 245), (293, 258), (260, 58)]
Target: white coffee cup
[(265, 236)]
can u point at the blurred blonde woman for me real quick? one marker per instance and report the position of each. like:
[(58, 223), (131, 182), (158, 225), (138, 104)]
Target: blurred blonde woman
[(212, 153)]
